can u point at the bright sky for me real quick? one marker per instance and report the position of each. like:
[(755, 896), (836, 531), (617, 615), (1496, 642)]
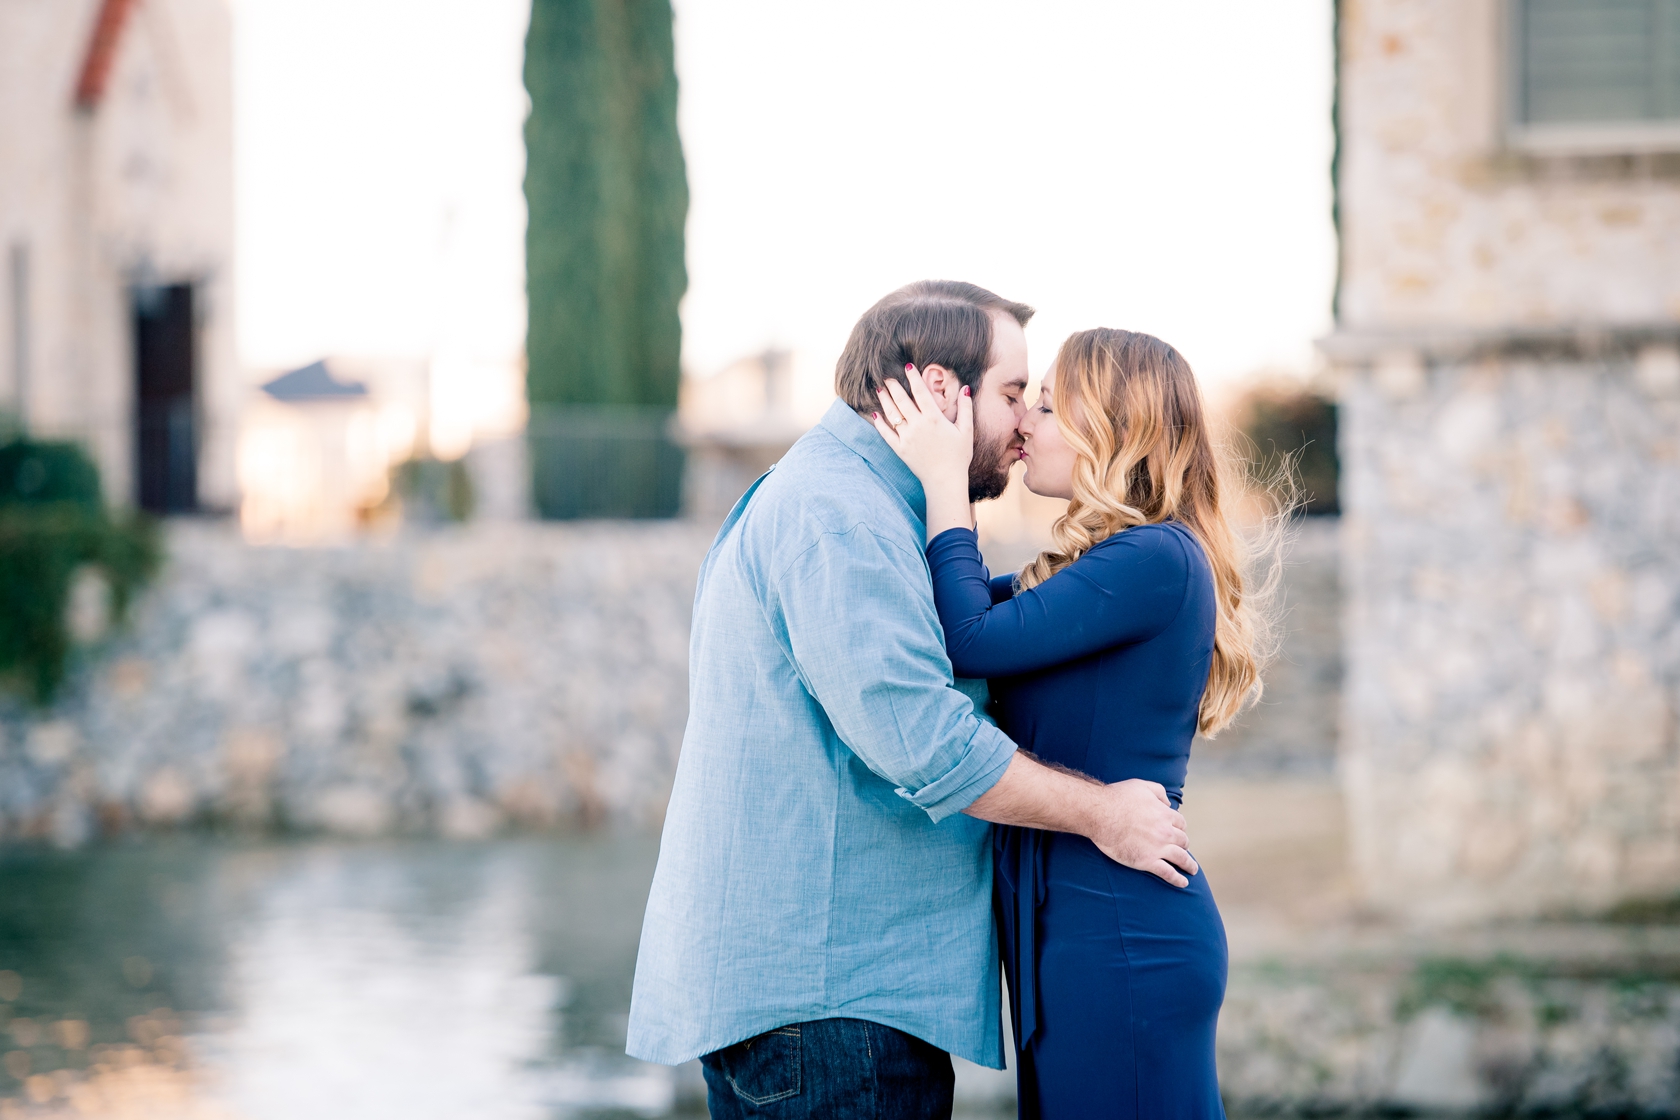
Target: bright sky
[(1156, 166)]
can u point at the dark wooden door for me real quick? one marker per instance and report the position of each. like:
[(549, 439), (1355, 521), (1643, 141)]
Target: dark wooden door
[(166, 370)]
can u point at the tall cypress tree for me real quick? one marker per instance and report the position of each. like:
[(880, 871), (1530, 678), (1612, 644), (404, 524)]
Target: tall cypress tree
[(607, 195)]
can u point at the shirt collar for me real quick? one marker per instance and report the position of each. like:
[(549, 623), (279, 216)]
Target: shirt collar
[(843, 422)]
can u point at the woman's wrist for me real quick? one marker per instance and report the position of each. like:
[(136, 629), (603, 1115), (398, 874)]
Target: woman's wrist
[(948, 507)]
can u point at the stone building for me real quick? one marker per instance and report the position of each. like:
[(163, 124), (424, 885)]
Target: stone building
[(1508, 313), (116, 228)]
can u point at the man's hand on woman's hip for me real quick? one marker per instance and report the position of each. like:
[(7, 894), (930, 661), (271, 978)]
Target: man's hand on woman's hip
[(1130, 822), (1142, 830)]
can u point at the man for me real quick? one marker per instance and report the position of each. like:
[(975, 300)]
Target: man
[(820, 929)]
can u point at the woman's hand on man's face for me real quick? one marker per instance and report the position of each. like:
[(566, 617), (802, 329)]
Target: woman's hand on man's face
[(937, 450), (914, 426)]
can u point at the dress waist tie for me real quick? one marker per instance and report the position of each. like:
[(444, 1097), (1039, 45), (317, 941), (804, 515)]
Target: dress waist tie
[(1028, 857), (1029, 895)]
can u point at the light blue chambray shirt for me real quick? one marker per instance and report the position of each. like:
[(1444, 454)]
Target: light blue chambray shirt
[(815, 861)]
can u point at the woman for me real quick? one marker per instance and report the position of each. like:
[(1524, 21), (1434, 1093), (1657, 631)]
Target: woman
[(1106, 655)]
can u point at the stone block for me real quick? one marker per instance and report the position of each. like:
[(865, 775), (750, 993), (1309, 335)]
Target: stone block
[(1437, 1069), (1509, 715)]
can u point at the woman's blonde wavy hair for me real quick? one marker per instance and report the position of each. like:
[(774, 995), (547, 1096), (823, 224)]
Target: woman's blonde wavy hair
[(1129, 407)]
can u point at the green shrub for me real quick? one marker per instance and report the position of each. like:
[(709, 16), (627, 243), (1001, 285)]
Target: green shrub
[(433, 490), (1292, 426), (52, 522), (34, 473)]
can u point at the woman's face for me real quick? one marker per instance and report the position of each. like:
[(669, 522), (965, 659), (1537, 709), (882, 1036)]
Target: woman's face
[(1048, 457)]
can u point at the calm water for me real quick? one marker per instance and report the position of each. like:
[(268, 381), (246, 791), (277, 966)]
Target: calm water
[(204, 980), (279, 982), (199, 979)]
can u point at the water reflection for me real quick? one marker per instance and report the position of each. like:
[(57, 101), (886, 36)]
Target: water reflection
[(202, 980), (414, 980)]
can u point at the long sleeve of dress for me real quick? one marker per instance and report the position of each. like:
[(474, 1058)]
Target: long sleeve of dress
[(1127, 588)]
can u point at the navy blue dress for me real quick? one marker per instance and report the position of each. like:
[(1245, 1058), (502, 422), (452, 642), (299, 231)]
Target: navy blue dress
[(1115, 977)]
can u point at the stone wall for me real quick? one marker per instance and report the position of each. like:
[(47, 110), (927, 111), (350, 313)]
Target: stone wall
[(460, 681), (1455, 1037), (1512, 562), (1292, 731), (453, 681), (1510, 440)]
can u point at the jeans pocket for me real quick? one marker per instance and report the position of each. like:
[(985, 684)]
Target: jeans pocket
[(765, 1068)]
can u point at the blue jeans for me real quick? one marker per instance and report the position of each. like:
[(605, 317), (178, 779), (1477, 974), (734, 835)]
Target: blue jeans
[(829, 1069)]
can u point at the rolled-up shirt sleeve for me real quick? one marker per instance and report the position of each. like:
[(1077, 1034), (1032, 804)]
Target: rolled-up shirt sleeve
[(858, 619)]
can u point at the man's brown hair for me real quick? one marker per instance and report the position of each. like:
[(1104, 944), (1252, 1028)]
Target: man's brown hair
[(931, 322)]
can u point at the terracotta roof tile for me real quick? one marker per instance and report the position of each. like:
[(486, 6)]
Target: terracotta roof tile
[(101, 52)]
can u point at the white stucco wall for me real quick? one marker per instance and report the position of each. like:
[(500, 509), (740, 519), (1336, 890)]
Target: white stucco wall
[(142, 185)]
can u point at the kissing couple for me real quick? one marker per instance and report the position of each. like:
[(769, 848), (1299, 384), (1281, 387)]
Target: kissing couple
[(899, 770)]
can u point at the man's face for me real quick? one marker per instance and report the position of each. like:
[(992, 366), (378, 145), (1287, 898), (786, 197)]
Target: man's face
[(999, 405)]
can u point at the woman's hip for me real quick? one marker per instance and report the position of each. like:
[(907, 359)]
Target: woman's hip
[(1083, 898)]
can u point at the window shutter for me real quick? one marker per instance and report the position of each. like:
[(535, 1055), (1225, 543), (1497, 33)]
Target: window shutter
[(1598, 61)]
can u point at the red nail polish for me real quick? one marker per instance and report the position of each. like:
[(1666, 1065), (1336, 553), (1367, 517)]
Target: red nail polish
[(909, 367), (874, 415), (966, 393)]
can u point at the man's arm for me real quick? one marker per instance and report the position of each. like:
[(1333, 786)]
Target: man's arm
[(867, 644), (1131, 822), (862, 633)]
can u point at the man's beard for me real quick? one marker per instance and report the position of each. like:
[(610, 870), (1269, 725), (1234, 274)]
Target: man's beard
[(988, 471)]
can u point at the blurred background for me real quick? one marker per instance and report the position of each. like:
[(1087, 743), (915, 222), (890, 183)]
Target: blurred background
[(374, 374)]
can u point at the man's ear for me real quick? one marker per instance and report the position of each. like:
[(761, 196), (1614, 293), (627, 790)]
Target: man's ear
[(945, 387)]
